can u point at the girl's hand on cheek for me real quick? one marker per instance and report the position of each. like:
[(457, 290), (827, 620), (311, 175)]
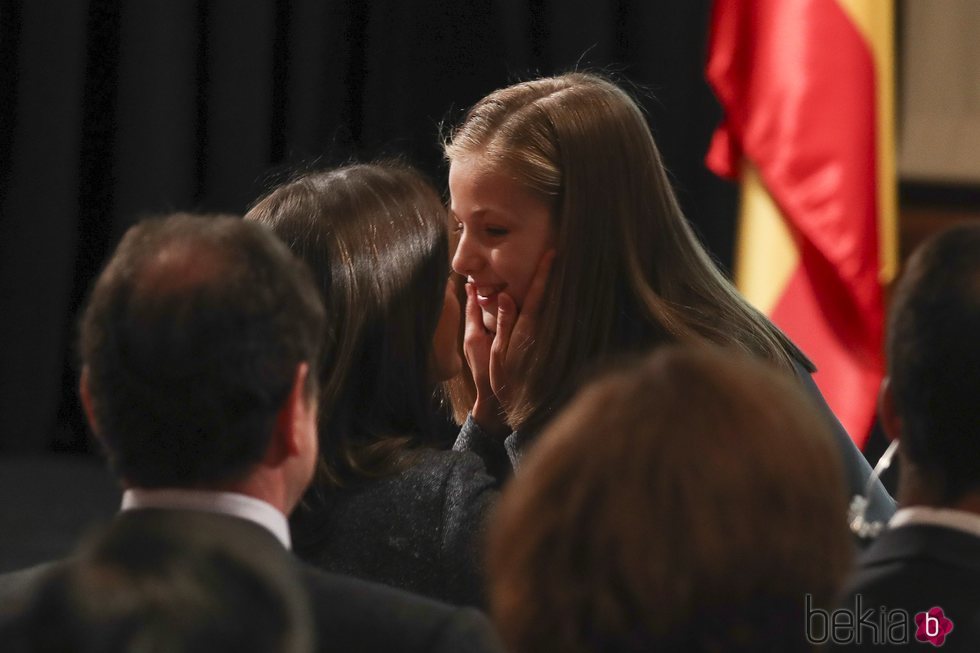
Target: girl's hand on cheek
[(515, 331), (477, 342)]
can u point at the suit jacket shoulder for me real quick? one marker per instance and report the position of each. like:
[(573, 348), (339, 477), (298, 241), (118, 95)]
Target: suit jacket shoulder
[(16, 586), (915, 568), (390, 619), (349, 614)]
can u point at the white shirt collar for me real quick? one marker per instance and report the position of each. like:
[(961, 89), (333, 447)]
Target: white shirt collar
[(960, 520), (226, 503)]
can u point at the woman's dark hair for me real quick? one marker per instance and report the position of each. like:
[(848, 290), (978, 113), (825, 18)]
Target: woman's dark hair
[(376, 238)]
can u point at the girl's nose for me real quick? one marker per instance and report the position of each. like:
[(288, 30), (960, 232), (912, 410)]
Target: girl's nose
[(467, 258)]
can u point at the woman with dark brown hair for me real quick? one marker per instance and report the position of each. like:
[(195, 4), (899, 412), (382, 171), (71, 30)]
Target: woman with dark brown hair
[(389, 503), (689, 504), (572, 241)]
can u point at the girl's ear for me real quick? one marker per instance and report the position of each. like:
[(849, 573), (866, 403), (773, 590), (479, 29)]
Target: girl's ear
[(887, 413)]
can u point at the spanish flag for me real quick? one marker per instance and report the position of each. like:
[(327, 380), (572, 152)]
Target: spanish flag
[(807, 91)]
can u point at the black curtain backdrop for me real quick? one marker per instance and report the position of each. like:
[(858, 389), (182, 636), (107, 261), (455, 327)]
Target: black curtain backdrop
[(111, 110)]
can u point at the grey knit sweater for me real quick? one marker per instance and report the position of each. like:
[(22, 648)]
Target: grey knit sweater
[(423, 529)]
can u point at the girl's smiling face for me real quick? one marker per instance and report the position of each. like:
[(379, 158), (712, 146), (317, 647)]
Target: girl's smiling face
[(503, 231)]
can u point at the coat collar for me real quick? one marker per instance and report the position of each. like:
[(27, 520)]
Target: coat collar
[(924, 542)]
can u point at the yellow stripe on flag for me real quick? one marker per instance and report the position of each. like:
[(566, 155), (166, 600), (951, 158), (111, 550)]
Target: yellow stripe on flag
[(875, 20), (765, 253)]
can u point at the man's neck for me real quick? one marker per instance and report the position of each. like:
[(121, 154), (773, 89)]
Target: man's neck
[(263, 487), (918, 489), (219, 501)]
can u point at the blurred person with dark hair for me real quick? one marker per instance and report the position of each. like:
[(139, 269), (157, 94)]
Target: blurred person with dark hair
[(930, 403), (201, 346), (392, 502), (155, 585), (690, 503)]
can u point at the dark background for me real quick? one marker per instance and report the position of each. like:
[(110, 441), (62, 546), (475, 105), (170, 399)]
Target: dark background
[(111, 110)]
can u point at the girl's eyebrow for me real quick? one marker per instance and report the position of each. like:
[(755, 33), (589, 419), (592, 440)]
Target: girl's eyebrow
[(477, 214), (483, 212)]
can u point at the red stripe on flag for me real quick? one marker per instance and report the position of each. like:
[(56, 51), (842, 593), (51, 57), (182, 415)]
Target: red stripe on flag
[(797, 82)]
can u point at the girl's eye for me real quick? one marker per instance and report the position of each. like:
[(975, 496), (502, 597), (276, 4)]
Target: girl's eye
[(496, 231)]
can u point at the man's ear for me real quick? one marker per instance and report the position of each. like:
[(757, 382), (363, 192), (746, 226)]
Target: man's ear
[(293, 419), (890, 421), (87, 406)]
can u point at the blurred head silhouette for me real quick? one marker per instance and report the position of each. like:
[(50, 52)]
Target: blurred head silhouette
[(687, 504)]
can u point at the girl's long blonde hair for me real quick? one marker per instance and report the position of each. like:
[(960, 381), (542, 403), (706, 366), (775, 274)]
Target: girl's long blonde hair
[(629, 273)]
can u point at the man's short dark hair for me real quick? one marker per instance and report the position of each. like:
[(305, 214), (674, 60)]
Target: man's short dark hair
[(934, 358), (191, 338)]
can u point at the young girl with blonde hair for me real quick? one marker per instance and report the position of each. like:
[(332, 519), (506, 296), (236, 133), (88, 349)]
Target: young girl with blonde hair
[(576, 254)]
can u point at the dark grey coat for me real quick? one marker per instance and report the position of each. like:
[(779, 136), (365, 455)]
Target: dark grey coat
[(421, 530), (857, 471)]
